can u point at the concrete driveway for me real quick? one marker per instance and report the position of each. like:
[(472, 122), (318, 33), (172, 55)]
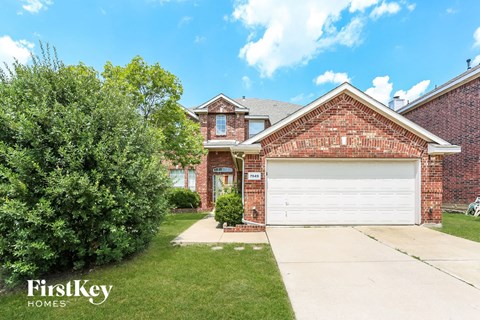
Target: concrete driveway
[(455, 256), (342, 273)]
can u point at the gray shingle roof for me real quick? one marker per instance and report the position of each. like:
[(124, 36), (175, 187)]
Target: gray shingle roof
[(276, 110)]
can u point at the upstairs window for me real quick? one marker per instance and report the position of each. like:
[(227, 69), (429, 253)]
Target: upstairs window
[(221, 125), (255, 127)]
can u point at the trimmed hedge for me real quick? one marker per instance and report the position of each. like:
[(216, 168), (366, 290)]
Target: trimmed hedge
[(229, 209), (183, 198)]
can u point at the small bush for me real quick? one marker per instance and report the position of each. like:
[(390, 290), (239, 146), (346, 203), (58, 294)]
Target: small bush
[(229, 209), (183, 198)]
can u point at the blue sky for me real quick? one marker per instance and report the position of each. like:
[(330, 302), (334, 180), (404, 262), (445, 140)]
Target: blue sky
[(289, 50)]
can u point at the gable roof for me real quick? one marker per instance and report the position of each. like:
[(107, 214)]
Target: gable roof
[(365, 99), (275, 110), (459, 80), (189, 113), (217, 97)]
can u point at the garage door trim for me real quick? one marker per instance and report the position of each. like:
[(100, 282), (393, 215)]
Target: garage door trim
[(418, 177)]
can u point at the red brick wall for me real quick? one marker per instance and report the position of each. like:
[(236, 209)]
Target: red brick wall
[(236, 130), (455, 117), (202, 182), (213, 160), (369, 135), (235, 122)]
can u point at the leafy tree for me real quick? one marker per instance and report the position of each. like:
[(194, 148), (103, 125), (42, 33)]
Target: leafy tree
[(156, 92), (81, 177)]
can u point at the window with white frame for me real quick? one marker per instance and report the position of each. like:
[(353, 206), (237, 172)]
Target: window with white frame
[(192, 179), (221, 125), (178, 178), (255, 127)]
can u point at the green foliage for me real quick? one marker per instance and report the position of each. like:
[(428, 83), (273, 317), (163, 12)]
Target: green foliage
[(229, 209), (81, 177), (156, 92), (183, 198), (461, 225), (174, 283)]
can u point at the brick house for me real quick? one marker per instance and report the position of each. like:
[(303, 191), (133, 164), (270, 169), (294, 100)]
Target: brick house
[(342, 159), (452, 111)]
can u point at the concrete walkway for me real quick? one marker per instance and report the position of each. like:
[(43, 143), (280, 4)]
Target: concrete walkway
[(341, 273), (455, 256), (206, 231)]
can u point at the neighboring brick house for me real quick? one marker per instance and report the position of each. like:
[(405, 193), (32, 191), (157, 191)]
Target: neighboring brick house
[(452, 111), (343, 159)]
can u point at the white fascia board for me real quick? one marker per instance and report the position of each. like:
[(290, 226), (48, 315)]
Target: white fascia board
[(193, 115), (362, 97), (221, 95), (253, 117), (397, 118), (247, 149), (205, 111), (467, 77), (436, 149), (218, 141)]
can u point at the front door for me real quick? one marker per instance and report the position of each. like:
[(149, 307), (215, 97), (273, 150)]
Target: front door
[(221, 181)]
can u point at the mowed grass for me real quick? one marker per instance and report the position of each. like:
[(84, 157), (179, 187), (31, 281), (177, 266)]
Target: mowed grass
[(167, 282), (460, 225)]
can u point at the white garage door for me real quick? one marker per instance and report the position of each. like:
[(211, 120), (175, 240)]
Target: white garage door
[(342, 192)]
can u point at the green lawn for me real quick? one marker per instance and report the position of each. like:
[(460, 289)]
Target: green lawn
[(166, 282), (461, 225)]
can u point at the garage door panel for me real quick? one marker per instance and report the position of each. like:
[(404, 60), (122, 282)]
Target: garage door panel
[(348, 192)]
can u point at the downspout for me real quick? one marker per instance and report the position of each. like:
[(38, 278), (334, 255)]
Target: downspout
[(243, 193)]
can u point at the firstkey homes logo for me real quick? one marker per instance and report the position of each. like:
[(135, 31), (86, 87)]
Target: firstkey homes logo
[(95, 294)]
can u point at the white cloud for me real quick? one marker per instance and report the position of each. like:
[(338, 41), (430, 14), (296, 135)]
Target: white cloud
[(246, 82), (381, 89), (411, 6), (385, 8), (161, 2), (285, 33), (476, 37), (451, 11), (11, 50), (476, 61), (302, 97), (414, 92), (349, 35), (184, 21), (292, 32), (199, 39), (34, 6), (332, 77), (361, 5)]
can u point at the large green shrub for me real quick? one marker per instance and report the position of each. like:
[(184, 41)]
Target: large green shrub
[(81, 180), (229, 209), (183, 198)]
